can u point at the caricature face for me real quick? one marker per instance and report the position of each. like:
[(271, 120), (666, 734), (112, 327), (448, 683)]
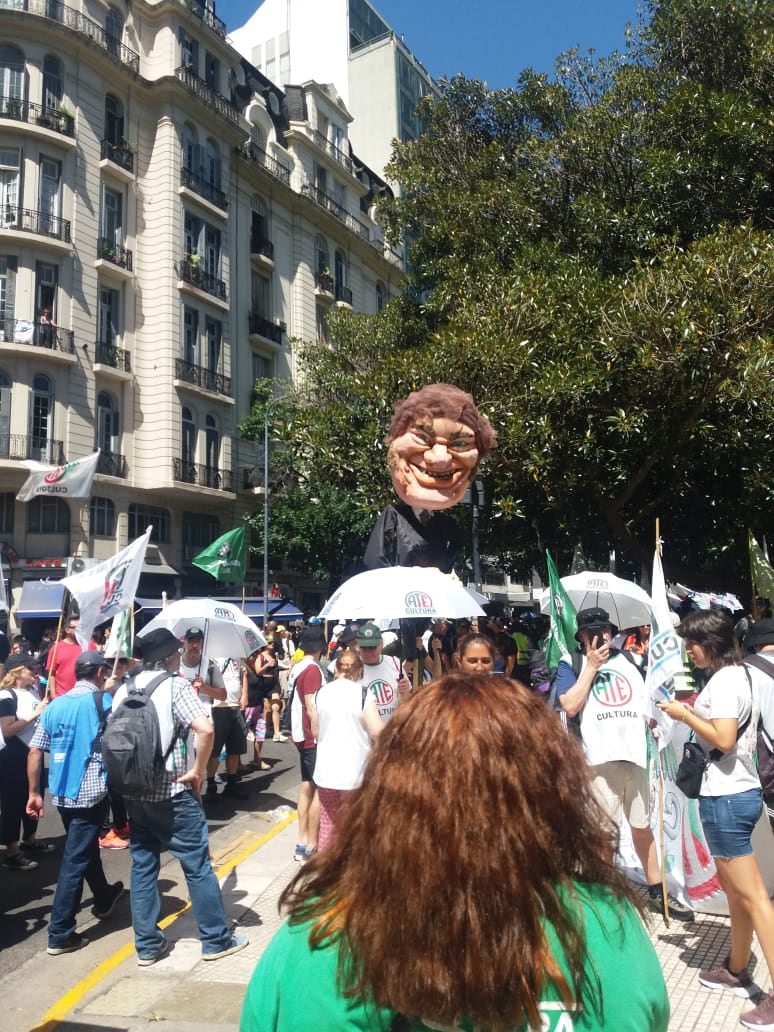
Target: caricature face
[(433, 462)]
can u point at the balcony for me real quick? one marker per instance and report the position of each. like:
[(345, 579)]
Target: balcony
[(55, 119), (201, 377), (19, 447), (28, 220), (343, 295), (323, 283), (191, 272), (199, 185), (206, 15), (206, 93), (111, 252), (39, 335), (257, 155), (111, 464), (324, 201), (202, 476), (120, 154), (262, 327), (91, 30), (332, 150), (259, 245), (115, 358)]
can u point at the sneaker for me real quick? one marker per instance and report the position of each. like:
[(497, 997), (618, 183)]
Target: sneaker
[(280, 738), (74, 943), (238, 942), (150, 961), (760, 1017), (103, 912), (679, 911), (722, 978), (235, 792), (212, 789), (299, 854), (36, 846), (113, 841), (19, 862), (122, 832)]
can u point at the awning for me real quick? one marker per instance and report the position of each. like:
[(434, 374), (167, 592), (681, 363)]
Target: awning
[(40, 599), (159, 568)]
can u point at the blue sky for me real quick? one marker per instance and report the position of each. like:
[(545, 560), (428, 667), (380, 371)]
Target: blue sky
[(491, 40)]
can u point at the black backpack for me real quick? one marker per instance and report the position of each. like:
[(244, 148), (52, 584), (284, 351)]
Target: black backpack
[(132, 750), (764, 752)]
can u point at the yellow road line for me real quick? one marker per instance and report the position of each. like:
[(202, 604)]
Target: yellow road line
[(56, 1014)]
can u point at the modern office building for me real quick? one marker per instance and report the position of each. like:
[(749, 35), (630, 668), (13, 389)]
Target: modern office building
[(346, 43), (170, 222)]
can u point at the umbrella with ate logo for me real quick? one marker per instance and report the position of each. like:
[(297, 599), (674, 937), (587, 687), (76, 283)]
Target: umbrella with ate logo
[(227, 631), (626, 602), (401, 592)]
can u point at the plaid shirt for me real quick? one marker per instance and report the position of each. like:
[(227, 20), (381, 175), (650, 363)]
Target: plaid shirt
[(186, 708), (94, 782)]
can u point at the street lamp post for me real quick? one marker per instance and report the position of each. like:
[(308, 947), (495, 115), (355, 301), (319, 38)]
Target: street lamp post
[(266, 516)]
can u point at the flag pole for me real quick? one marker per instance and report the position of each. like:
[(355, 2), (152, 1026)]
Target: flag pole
[(50, 662), (660, 774), (754, 594)]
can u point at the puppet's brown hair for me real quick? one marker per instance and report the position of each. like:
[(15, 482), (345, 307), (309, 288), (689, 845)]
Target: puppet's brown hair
[(442, 401)]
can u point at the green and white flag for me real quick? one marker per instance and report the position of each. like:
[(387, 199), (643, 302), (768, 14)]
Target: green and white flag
[(564, 623), (761, 572), (226, 558), (119, 643)]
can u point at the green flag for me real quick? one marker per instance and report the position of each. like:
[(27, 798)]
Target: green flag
[(561, 637), (226, 558), (761, 572)]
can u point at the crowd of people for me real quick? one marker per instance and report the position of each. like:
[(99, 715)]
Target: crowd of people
[(392, 752)]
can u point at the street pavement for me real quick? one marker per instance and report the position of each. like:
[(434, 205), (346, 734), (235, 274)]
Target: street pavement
[(101, 986)]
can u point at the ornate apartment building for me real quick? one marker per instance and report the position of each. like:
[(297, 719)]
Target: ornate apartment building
[(170, 223)]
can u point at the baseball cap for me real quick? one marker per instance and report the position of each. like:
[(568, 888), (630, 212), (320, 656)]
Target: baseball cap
[(193, 633), (594, 619), (155, 645), (21, 659), (369, 635), (312, 639), (89, 662), (761, 633)]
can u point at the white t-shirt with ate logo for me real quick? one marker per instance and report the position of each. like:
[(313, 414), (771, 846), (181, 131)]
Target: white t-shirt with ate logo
[(382, 681)]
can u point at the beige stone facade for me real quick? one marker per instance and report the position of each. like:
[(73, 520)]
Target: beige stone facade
[(170, 222)]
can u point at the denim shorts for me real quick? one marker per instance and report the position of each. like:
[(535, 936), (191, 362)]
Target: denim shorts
[(728, 822)]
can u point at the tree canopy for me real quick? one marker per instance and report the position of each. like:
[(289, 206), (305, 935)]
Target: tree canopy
[(592, 257)]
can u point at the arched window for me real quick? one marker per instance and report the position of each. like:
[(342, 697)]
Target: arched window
[(11, 77), (47, 515), (107, 424), (102, 517), (211, 164), (42, 420), (258, 137), (190, 142), (5, 416), (114, 120), (323, 258), (381, 296), (52, 83), (188, 453), (212, 444)]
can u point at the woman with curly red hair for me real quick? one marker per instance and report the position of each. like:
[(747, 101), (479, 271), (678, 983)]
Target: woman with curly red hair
[(473, 885)]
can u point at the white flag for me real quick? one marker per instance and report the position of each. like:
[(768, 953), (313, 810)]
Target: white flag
[(72, 480), (3, 596), (107, 589), (665, 658)]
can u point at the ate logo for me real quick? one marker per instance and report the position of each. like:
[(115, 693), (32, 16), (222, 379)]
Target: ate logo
[(611, 688), (417, 601), (383, 692), (55, 475)]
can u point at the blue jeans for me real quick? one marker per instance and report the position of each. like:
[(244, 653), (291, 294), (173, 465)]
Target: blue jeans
[(176, 825), (728, 822), (80, 861)]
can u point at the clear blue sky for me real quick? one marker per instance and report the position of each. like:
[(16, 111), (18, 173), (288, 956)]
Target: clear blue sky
[(491, 40)]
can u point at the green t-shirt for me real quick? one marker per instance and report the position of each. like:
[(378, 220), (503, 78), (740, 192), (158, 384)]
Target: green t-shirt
[(294, 987)]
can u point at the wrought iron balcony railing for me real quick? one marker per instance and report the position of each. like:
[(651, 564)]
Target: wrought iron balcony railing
[(252, 152), (339, 212), (201, 377), (202, 476), (264, 328), (39, 334), (73, 19), (116, 358), (31, 221), (199, 185), (191, 271), (113, 252), (330, 148), (31, 446), (260, 245), (111, 464), (206, 14), (205, 92), (55, 119), (343, 294), (119, 153)]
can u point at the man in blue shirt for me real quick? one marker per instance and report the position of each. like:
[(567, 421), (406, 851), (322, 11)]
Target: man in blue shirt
[(70, 729)]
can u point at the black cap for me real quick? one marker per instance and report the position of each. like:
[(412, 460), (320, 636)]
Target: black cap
[(157, 644), (592, 620), (21, 659), (193, 633), (90, 662), (761, 633), (312, 639)]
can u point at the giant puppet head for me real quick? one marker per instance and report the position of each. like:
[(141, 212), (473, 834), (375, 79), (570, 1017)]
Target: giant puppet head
[(435, 442)]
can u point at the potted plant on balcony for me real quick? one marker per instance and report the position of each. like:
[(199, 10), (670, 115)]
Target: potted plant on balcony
[(194, 261)]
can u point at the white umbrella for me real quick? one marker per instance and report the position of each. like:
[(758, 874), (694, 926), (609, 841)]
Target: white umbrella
[(227, 631), (401, 592), (625, 601)]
